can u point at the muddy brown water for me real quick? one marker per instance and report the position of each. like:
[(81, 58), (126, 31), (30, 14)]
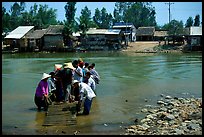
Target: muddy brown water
[(128, 83)]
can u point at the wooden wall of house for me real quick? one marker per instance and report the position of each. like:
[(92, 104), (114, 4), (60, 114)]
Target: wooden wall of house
[(145, 38), (194, 40), (102, 40), (96, 40), (53, 41), (23, 43), (14, 43)]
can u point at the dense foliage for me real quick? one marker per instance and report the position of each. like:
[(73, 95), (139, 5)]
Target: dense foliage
[(138, 13), (40, 16), (190, 21), (69, 23)]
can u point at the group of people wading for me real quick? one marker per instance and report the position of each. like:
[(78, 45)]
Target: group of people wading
[(71, 82)]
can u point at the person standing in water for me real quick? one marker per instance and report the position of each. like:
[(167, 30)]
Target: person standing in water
[(42, 91), (86, 94)]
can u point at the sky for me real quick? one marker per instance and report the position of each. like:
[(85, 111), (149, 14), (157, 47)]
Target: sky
[(180, 11)]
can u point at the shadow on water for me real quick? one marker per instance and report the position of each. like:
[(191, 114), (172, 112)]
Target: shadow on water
[(34, 109)]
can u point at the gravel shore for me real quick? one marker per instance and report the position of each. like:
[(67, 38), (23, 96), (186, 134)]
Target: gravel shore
[(171, 116)]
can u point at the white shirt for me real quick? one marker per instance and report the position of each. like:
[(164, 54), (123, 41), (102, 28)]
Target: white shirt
[(76, 76), (92, 83), (86, 90), (51, 84)]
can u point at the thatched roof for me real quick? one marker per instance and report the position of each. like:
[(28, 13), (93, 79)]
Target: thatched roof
[(145, 31), (54, 29), (161, 33), (37, 34)]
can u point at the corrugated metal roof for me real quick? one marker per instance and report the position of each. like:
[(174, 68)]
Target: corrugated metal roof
[(19, 32), (123, 25), (104, 31)]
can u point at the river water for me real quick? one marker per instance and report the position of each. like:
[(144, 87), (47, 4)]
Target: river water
[(129, 81)]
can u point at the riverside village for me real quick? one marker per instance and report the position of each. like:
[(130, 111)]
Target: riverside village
[(121, 36), (115, 74)]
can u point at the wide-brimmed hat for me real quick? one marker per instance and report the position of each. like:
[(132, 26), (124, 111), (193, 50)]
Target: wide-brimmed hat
[(80, 59), (75, 81), (45, 75), (58, 66), (68, 65)]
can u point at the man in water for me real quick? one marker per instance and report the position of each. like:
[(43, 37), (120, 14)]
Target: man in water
[(86, 94)]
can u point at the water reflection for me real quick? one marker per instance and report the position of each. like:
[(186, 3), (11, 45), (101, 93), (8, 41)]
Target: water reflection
[(40, 117)]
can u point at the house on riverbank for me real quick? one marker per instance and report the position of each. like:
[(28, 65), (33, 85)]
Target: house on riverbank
[(145, 33), (194, 39), (36, 40), (128, 30), (17, 39), (160, 35), (102, 39), (53, 38)]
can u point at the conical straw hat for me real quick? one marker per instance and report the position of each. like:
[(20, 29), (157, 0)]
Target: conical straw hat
[(68, 65), (45, 75), (58, 66)]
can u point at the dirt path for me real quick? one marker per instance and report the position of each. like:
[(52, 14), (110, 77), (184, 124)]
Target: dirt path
[(141, 46)]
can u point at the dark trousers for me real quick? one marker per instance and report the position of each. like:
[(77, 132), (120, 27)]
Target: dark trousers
[(87, 106), (41, 103)]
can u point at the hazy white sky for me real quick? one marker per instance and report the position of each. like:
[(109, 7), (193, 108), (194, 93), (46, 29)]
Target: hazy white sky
[(179, 10)]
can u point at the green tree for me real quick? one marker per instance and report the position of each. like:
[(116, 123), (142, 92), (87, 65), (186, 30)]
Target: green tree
[(175, 28), (106, 19), (158, 27), (85, 20), (39, 16), (197, 20), (26, 19), (143, 13), (119, 10), (93, 24), (69, 23), (102, 18), (116, 15), (45, 16), (33, 15), (70, 11), (189, 22), (5, 21), (16, 10), (97, 17)]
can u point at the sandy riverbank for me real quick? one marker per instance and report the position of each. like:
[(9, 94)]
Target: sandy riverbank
[(141, 46), (151, 47)]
